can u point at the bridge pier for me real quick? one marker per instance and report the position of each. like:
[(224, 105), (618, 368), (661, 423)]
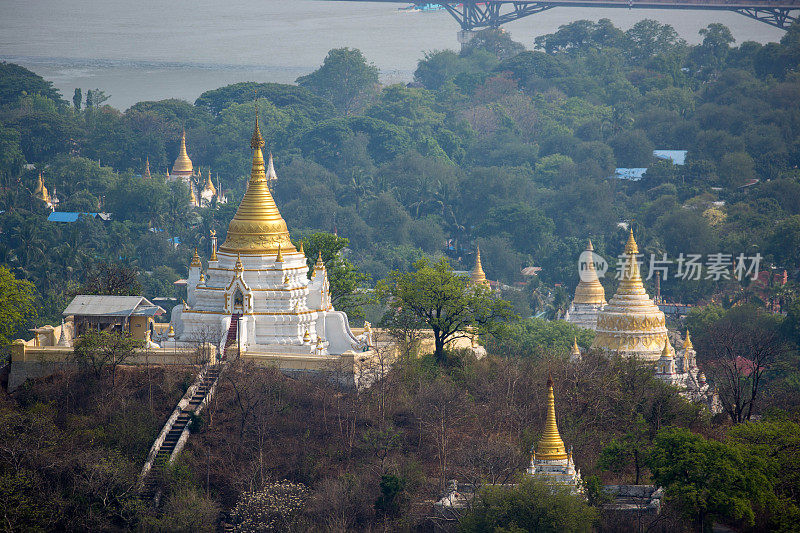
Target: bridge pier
[(465, 36)]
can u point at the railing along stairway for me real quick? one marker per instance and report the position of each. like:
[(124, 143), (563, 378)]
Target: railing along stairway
[(175, 432)]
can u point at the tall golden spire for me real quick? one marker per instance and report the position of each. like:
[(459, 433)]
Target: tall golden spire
[(209, 185), (687, 343), (147, 168), (192, 197), (279, 257), (302, 250), (589, 289), (319, 264), (550, 447), (41, 191), (575, 348), (257, 227), (182, 163), (477, 275), (631, 280)]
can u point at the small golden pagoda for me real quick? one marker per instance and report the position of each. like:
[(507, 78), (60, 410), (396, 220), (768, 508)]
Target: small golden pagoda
[(146, 174), (550, 459), (183, 165), (40, 192), (590, 296), (575, 354), (477, 275), (631, 324)]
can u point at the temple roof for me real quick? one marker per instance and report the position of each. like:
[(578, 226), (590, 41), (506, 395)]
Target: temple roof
[(124, 306), (257, 227), (182, 163)]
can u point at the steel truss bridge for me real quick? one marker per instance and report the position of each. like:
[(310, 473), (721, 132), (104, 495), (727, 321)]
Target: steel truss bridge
[(473, 15)]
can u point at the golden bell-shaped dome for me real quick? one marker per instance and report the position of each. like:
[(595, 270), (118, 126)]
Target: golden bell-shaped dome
[(182, 164), (589, 289), (550, 447), (257, 227)]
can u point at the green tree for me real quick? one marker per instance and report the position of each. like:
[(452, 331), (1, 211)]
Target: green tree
[(709, 480), (448, 303), (348, 286), (630, 447), (343, 77), (533, 505), (96, 351), (17, 305), (77, 98)]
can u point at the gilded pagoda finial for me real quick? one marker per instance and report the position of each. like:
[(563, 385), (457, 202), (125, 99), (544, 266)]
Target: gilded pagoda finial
[(687, 343), (147, 168), (575, 348), (257, 226), (631, 247), (196, 259), (302, 250), (279, 257), (256, 141)]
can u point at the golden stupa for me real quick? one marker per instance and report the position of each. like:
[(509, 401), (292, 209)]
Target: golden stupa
[(550, 447), (631, 324), (257, 227), (477, 275), (589, 289), (146, 174), (590, 296), (182, 165), (41, 191), (209, 185)]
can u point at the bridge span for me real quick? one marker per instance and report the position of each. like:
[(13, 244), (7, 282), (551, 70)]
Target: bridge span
[(472, 14)]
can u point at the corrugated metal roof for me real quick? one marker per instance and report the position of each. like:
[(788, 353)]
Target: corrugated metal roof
[(94, 305), (63, 216)]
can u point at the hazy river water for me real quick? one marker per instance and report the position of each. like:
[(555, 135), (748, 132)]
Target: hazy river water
[(152, 49)]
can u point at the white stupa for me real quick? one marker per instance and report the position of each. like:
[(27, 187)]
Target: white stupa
[(257, 283)]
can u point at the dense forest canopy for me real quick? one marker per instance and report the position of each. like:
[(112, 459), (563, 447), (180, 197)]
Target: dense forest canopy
[(508, 145)]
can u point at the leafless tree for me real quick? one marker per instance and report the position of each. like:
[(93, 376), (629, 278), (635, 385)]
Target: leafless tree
[(439, 406), (202, 341), (739, 358)]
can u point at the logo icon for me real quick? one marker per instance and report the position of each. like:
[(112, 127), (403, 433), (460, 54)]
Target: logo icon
[(586, 261)]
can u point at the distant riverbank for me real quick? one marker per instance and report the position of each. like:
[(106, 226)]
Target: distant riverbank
[(152, 50)]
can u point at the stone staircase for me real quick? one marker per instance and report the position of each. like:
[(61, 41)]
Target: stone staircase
[(176, 431), (230, 340)]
